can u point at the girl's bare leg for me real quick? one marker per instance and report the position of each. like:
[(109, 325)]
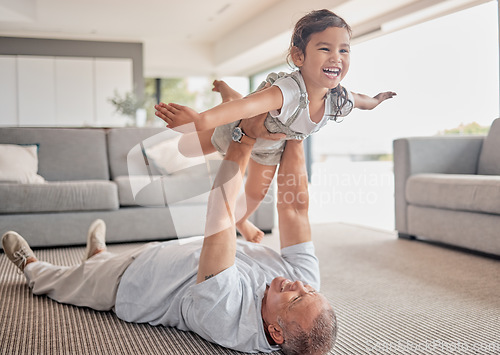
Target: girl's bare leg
[(190, 143), (227, 92), (258, 181)]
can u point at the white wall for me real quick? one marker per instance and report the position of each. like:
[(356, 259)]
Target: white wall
[(62, 91), (8, 90), (74, 81), (36, 91)]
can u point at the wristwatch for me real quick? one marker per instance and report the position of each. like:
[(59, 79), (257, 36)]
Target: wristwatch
[(239, 136)]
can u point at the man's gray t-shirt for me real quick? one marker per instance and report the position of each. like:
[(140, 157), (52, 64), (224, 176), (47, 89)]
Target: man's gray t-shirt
[(160, 288)]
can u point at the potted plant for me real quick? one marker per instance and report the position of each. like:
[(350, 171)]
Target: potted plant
[(131, 106)]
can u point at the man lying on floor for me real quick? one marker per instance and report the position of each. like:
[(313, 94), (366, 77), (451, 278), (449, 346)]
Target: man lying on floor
[(237, 294)]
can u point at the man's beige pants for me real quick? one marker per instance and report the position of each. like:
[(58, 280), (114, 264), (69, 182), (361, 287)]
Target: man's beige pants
[(93, 283)]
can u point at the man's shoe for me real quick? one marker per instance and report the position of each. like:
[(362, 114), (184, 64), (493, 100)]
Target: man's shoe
[(96, 238), (17, 249)]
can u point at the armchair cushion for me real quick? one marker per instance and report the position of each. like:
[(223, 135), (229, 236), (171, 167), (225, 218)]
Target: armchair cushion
[(472, 193)]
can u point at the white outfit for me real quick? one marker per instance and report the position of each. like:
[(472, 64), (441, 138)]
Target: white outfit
[(293, 119), (157, 285)]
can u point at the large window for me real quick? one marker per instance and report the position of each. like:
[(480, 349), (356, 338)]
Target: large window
[(445, 72), (195, 92), (446, 75)]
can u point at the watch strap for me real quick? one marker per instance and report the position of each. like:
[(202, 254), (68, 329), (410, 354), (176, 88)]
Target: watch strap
[(247, 140), (244, 138)]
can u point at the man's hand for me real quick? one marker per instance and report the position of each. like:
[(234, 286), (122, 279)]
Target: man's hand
[(176, 115), (254, 128)]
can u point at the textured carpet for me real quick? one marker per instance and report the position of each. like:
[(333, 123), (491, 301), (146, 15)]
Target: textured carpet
[(406, 297), (37, 325), (391, 297)]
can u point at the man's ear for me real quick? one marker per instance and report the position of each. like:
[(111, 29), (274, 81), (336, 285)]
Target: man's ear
[(276, 333), (297, 56)]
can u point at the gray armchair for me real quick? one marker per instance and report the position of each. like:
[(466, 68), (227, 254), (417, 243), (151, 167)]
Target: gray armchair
[(447, 189)]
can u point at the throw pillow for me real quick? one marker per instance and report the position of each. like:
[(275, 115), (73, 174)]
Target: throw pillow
[(167, 158), (19, 163)]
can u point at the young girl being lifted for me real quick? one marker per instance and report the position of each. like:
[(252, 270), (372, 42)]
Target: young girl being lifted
[(297, 105)]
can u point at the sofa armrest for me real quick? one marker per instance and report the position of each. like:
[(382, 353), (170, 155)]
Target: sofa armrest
[(444, 155)]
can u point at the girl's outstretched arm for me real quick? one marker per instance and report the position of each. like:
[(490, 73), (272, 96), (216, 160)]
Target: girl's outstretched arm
[(365, 102), (250, 106)]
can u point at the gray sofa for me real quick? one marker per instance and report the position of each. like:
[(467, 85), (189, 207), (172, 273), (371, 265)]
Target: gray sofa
[(105, 173), (447, 189)]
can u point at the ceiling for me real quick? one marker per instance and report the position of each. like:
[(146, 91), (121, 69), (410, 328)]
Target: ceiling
[(214, 37)]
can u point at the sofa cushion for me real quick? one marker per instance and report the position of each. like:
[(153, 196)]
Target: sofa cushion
[(64, 154), (160, 191), (476, 193), (489, 160), (64, 196), (125, 149), (167, 158)]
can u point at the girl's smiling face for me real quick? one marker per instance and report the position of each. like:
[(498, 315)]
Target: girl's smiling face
[(326, 59)]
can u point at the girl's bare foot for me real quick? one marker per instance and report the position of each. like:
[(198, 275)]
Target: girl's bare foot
[(249, 231), (227, 92)]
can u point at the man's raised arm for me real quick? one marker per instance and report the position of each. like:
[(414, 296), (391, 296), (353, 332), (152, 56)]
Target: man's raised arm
[(219, 246), (293, 196)]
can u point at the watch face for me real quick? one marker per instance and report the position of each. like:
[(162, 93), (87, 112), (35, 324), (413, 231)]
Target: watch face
[(237, 134)]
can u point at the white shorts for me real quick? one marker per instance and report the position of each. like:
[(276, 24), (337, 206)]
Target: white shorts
[(265, 151)]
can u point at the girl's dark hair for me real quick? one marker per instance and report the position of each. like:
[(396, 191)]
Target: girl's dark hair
[(314, 22)]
